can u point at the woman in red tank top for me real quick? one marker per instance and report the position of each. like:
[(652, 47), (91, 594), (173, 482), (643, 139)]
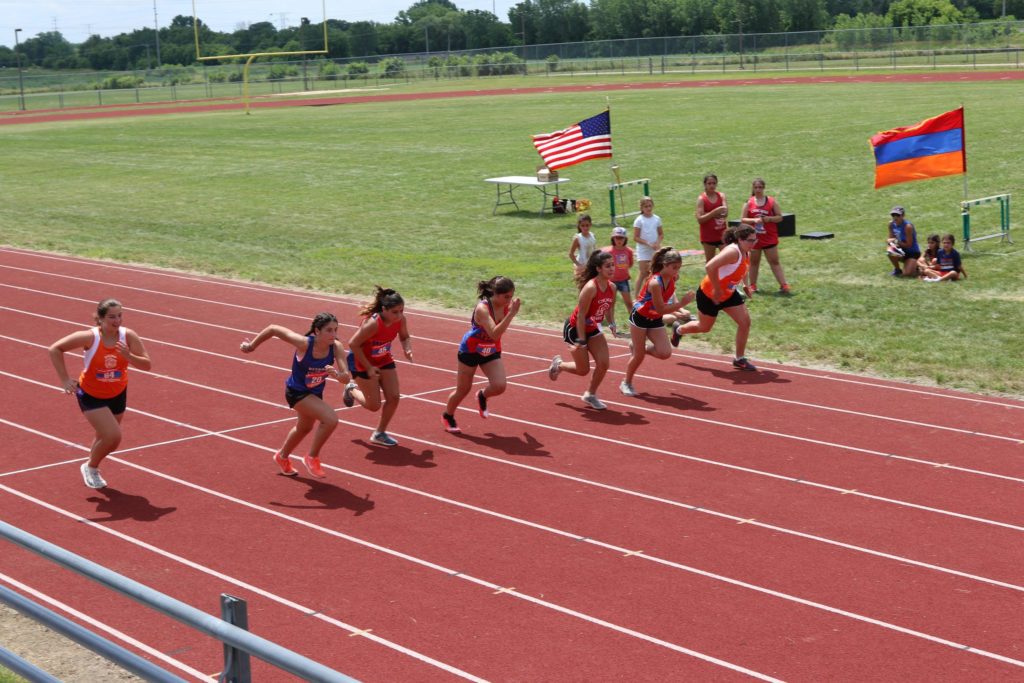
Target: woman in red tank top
[(762, 212), (711, 214), (371, 363), (109, 350), (582, 330)]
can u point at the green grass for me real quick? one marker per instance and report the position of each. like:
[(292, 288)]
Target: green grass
[(339, 198)]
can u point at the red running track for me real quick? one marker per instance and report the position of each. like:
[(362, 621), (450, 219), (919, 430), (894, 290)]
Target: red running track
[(788, 524)]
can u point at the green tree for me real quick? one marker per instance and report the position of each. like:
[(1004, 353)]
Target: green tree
[(923, 13)]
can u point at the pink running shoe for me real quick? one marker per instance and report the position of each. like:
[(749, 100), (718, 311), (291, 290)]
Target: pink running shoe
[(286, 465), (313, 465)]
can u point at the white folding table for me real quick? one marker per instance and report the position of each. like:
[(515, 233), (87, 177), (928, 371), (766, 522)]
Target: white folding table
[(507, 184)]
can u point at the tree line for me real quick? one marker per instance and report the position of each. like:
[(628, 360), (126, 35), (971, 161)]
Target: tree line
[(439, 26)]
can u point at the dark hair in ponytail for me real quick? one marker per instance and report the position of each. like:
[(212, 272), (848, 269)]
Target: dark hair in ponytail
[(594, 263), (499, 284), (663, 257), (382, 298), (319, 321)]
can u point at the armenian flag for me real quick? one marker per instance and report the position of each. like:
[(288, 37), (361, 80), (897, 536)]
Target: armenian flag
[(930, 149)]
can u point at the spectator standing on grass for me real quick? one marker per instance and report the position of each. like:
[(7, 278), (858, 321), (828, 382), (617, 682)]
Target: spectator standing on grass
[(623, 257), (583, 243), (762, 212), (712, 212), (371, 363), (102, 386), (582, 330), (647, 319), (481, 346), (317, 355), (647, 235), (718, 292), (948, 265), (901, 246)]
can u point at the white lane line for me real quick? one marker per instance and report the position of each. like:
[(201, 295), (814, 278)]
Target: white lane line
[(378, 548)]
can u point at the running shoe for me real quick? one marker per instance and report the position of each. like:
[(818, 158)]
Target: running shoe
[(347, 398), (627, 388), (896, 272), (313, 465), (92, 477), (743, 364), (675, 333), (593, 401), (784, 289), (286, 465), (556, 367), (752, 289), (482, 402), (449, 424), (382, 439)]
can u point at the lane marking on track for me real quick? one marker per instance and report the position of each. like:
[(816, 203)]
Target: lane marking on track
[(617, 489), (107, 629), (673, 415), (237, 582), (829, 375), (382, 549), (567, 534)]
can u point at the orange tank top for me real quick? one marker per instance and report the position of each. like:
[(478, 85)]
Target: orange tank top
[(106, 371), (730, 275)]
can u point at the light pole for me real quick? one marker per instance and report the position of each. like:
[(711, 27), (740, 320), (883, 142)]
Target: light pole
[(302, 41), (21, 83)]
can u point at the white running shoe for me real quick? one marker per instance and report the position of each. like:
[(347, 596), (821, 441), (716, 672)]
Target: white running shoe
[(92, 477), (627, 388), (593, 401), (556, 367)]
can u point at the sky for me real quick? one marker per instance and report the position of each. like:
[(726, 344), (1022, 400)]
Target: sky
[(77, 19)]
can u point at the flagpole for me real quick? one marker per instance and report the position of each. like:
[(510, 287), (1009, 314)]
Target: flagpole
[(963, 144)]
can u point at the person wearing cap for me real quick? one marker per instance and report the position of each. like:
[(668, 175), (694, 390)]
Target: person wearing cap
[(901, 247), (623, 257)]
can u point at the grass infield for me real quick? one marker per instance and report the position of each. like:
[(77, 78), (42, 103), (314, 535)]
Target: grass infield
[(339, 198)]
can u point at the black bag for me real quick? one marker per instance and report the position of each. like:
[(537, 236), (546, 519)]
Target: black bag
[(563, 205)]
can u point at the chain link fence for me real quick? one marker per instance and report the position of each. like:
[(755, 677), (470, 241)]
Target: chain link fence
[(955, 46)]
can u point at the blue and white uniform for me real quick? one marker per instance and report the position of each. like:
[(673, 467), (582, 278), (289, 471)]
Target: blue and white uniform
[(310, 374)]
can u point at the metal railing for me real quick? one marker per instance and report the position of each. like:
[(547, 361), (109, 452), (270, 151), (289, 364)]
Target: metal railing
[(235, 639)]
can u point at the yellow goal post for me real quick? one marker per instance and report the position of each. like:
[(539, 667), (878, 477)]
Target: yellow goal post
[(253, 55)]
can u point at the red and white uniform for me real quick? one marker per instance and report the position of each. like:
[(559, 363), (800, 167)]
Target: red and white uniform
[(767, 233), (599, 305), (378, 347), (645, 303), (712, 229), (106, 371), (730, 275)]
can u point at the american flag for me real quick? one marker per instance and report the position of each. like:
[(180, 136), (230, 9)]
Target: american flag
[(589, 139)]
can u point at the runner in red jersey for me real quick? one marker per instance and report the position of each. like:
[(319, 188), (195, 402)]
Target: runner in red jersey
[(646, 322), (371, 363), (102, 387), (582, 330)]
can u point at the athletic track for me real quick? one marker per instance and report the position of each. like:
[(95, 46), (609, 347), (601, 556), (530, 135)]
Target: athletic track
[(313, 100), (789, 524)]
